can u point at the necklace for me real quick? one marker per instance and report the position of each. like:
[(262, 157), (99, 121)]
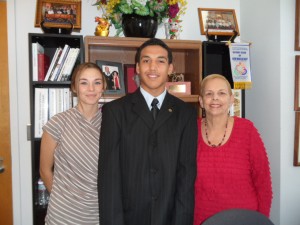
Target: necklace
[(206, 134)]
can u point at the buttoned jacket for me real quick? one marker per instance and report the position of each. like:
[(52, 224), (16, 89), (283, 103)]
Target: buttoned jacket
[(147, 168)]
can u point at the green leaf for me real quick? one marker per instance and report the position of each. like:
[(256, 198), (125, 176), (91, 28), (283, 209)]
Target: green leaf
[(118, 32), (125, 8), (140, 9), (159, 6), (143, 11), (116, 20)]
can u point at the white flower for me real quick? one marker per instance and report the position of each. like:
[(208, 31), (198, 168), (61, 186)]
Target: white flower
[(143, 2)]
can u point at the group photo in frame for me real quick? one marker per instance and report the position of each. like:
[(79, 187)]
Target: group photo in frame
[(114, 77), (217, 21), (58, 14), (132, 80)]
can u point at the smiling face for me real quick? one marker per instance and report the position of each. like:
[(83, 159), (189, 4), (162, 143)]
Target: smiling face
[(153, 69), (89, 86), (216, 97)]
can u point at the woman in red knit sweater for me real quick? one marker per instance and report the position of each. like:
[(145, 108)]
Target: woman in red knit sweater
[(232, 164)]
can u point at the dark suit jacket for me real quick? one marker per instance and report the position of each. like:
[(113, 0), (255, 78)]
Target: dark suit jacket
[(147, 169)]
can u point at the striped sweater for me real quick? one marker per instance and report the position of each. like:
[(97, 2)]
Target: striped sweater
[(74, 195)]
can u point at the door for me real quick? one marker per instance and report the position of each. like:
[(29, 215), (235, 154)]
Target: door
[(6, 215)]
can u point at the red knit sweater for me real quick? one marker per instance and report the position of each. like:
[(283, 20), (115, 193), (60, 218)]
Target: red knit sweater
[(234, 175)]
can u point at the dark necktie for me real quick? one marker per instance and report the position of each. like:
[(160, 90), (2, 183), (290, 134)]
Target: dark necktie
[(154, 109)]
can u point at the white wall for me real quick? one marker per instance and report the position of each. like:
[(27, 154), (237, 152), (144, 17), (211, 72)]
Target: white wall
[(262, 27), (290, 182), (270, 104), (269, 24)]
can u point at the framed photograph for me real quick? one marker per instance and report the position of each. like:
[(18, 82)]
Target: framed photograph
[(297, 83), (296, 144), (179, 88), (114, 77), (132, 81), (297, 26), (56, 13), (236, 108), (217, 21)]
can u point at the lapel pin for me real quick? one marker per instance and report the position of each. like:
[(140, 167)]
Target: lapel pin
[(170, 110)]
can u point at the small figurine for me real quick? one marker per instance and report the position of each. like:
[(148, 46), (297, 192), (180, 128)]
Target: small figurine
[(174, 29), (102, 28), (176, 77)]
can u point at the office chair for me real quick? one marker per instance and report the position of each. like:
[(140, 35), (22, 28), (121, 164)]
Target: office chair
[(238, 217)]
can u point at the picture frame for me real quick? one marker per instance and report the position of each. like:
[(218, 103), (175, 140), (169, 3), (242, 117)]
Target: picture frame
[(113, 73), (132, 81), (221, 22), (297, 26), (58, 14), (179, 88), (296, 140), (297, 83)]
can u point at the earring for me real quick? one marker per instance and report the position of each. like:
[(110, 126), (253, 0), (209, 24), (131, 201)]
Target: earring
[(228, 112), (203, 113)]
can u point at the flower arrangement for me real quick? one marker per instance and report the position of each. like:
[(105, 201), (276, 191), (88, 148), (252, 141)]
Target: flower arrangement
[(161, 9)]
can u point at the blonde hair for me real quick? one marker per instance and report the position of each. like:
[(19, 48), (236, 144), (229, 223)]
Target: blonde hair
[(211, 77)]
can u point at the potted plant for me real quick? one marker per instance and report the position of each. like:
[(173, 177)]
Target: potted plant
[(157, 11)]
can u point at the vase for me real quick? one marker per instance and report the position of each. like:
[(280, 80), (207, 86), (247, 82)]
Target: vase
[(139, 26)]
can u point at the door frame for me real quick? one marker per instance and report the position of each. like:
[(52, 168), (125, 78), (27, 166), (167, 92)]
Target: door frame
[(14, 118), (5, 151)]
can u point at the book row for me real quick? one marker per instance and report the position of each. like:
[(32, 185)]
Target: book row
[(59, 69), (48, 102)]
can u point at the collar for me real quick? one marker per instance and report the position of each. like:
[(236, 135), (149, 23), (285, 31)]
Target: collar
[(149, 98)]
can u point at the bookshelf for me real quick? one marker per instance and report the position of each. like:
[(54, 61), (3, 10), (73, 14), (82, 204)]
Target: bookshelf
[(49, 42), (187, 58)]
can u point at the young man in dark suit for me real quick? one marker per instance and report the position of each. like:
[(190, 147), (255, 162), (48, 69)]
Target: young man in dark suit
[(147, 166)]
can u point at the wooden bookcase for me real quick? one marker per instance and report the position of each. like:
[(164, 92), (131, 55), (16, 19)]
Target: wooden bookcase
[(50, 42), (187, 58)]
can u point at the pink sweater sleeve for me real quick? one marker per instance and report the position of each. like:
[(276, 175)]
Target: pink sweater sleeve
[(261, 175)]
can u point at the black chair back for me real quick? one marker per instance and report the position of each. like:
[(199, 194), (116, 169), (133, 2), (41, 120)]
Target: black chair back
[(238, 217)]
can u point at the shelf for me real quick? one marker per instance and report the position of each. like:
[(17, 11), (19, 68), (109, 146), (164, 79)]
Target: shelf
[(49, 83), (187, 58), (50, 43), (188, 98)]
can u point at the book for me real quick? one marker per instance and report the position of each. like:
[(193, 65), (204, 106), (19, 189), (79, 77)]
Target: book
[(60, 62), (36, 49), (52, 102), (65, 65), (71, 64), (43, 66), (51, 77), (53, 62), (59, 100), (40, 111), (67, 99)]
